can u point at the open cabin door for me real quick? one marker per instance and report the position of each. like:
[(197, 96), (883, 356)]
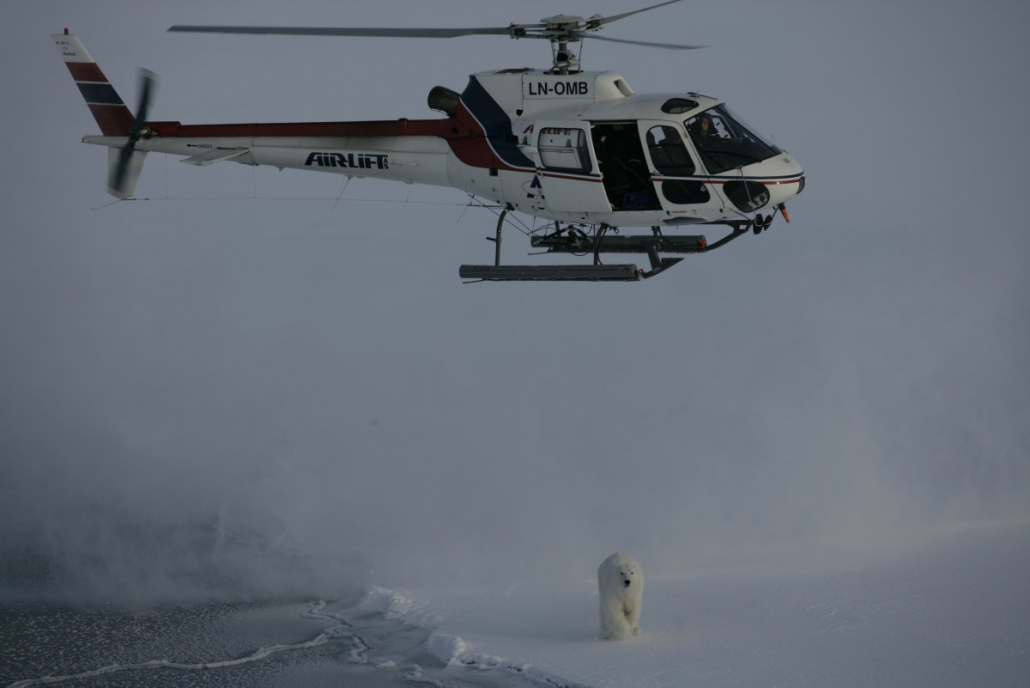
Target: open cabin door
[(568, 170)]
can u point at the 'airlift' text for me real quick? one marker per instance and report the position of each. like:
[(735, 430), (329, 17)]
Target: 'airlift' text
[(361, 161)]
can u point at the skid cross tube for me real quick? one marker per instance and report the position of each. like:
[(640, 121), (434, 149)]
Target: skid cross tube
[(621, 244)]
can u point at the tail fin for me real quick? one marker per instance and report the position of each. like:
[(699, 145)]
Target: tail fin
[(110, 112)]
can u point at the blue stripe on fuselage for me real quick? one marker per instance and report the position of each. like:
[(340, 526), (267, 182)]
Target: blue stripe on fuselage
[(496, 124)]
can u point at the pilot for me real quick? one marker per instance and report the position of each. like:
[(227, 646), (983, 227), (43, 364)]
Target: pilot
[(704, 131)]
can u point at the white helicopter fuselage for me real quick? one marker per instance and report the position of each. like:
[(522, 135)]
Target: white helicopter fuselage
[(579, 148)]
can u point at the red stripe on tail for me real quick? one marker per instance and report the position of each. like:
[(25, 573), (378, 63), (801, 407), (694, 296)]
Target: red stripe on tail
[(86, 71), (114, 120)]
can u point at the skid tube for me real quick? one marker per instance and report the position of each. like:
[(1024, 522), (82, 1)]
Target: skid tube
[(575, 241)]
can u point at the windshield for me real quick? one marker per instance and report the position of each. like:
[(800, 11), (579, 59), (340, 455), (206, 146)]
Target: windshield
[(724, 142)]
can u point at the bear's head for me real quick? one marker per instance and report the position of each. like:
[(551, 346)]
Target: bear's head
[(626, 573), (622, 571)]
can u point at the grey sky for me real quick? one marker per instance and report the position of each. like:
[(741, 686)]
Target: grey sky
[(321, 373)]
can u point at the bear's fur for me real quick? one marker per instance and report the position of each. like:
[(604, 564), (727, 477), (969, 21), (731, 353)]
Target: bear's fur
[(620, 582)]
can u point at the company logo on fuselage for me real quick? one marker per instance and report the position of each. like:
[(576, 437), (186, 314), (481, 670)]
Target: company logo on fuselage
[(360, 161)]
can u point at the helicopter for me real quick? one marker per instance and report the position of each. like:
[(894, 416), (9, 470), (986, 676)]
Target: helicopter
[(579, 150)]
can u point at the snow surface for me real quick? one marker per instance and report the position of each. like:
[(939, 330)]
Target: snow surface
[(952, 611), (944, 609)]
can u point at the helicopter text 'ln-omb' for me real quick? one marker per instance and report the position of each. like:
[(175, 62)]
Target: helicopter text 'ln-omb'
[(577, 148)]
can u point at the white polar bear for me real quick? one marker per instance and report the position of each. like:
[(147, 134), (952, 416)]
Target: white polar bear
[(620, 581)]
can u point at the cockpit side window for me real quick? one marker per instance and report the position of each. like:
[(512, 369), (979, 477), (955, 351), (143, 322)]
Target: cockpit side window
[(668, 153), (724, 142)]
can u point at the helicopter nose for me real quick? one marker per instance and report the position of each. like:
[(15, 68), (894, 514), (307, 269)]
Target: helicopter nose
[(789, 182)]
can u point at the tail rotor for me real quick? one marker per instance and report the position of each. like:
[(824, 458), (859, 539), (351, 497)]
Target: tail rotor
[(129, 159)]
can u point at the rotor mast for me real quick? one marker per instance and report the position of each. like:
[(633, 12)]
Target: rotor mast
[(560, 30)]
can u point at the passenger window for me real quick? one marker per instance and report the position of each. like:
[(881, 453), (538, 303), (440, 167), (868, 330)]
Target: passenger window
[(564, 149), (668, 153), (685, 191)]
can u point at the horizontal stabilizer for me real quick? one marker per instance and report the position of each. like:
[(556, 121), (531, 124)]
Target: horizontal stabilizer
[(215, 155)]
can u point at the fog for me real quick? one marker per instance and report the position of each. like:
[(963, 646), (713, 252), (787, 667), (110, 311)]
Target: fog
[(209, 394)]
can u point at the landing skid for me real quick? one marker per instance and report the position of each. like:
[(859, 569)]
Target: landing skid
[(553, 273), (575, 241)]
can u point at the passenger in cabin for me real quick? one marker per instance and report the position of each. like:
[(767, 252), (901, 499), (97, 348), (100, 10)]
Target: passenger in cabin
[(620, 157), (613, 155), (613, 143)]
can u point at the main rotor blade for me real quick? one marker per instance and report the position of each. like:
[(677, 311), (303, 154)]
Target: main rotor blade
[(614, 17), (670, 46), (383, 32)]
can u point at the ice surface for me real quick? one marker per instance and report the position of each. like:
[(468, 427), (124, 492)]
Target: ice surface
[(952, 611)]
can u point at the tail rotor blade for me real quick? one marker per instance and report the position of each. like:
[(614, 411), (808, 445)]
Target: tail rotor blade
[(147, 81), (147, 86), (118, 182)]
